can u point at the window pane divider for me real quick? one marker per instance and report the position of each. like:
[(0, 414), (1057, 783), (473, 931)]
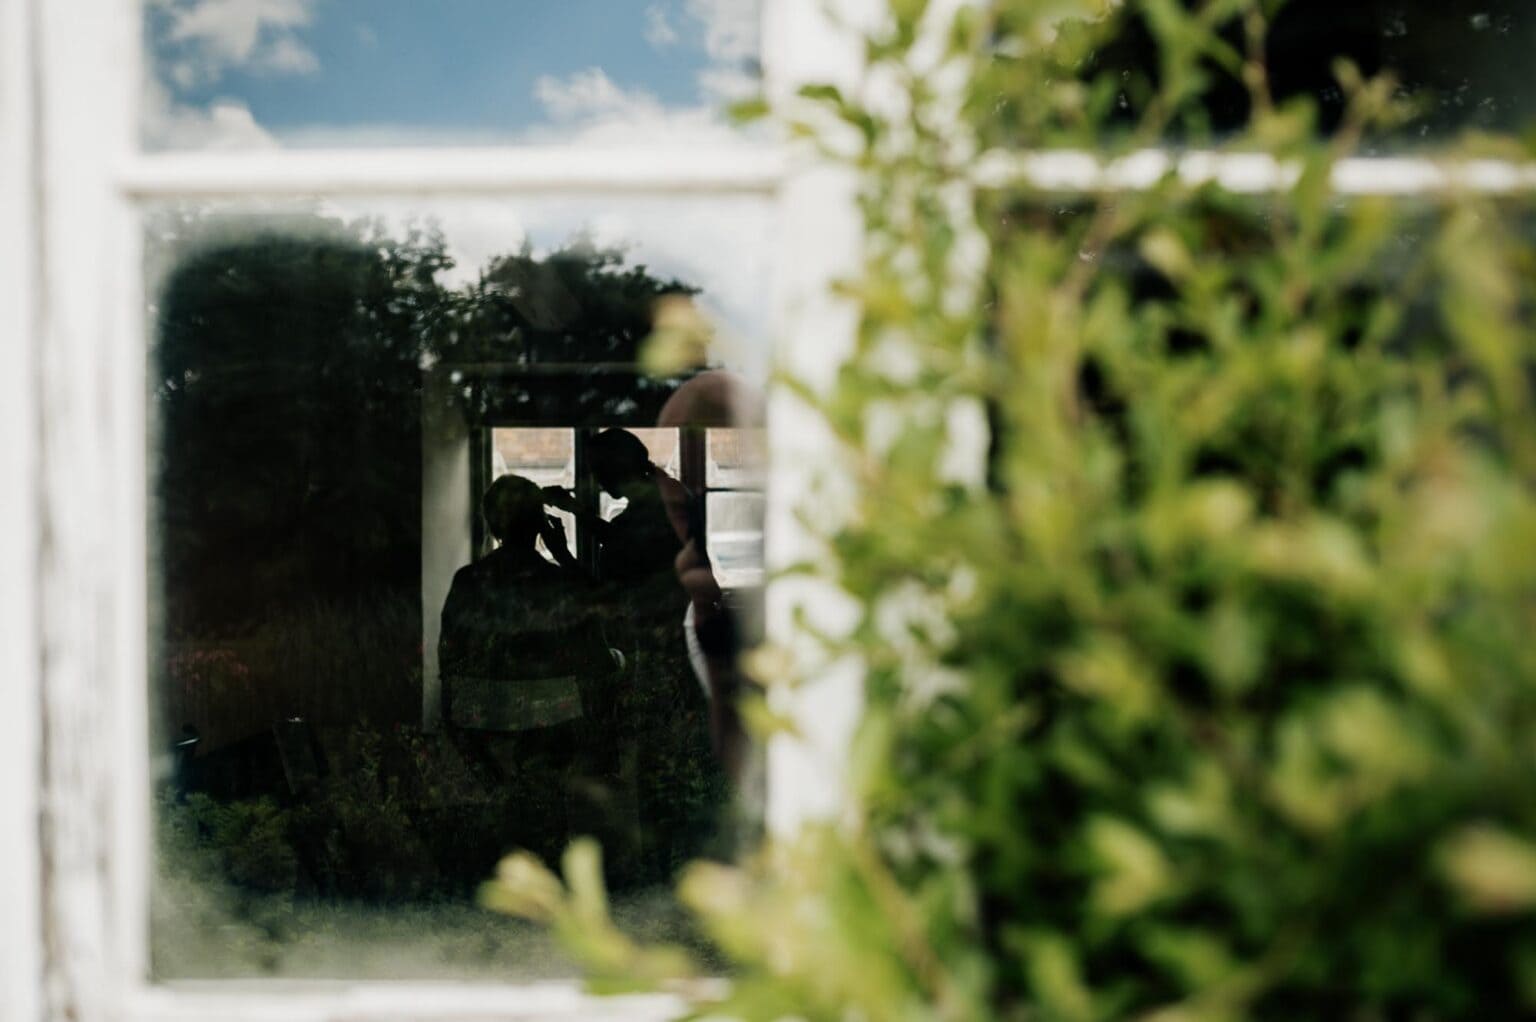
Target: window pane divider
[(1069, 171), (745, 169), (383, 1001)]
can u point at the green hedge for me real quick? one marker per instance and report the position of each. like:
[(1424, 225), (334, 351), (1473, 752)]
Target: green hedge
[(1204, 687)]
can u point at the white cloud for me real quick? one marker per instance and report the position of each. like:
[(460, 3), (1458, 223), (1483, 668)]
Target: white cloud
[(732, 28), (728, 84), (589, 108), (287, 55), (216, 35), (591, 94), (659, 31), (183, 74), (223, 124), (206, 38), (731, 34)]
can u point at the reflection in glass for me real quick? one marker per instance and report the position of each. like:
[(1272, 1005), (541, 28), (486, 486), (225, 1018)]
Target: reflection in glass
[(661, 447), (734, 462), (432, 558), (545, 456), (1465, 66), (736, 538), (736, 458), (236, 74)]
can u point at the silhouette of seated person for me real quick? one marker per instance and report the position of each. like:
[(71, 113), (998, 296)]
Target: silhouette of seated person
[(522, 650)]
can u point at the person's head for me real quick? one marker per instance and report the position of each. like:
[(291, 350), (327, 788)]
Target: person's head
[(713, 399), (618, 458), (514, 510)]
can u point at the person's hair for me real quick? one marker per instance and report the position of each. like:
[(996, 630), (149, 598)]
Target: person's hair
[(621, 449), (513, 508)]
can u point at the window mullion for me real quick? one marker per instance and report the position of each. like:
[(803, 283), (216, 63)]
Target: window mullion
[(660, 170), (818, 243), (1078, 171)]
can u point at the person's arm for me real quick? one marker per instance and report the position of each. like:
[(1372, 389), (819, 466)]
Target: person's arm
[(682, 507), (561, 498), (716, 637), (553, 535)]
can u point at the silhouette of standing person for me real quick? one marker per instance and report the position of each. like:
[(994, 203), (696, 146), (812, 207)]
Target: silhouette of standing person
[(663, 718), (714, 399), (645, 536)]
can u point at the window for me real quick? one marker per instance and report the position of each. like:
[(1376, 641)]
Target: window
[(544, 454), (733, 474), (84, 172), (364, 690), (94, 182)]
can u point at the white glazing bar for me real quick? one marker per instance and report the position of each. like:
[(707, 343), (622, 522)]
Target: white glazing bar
[(20, 875), (1070, 171), (376, 1002), (657, 170)]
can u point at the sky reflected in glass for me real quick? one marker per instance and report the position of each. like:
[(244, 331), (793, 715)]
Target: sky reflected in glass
[(262, 73)]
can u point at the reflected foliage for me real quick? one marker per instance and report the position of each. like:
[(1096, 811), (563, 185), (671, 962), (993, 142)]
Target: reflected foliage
[(1456, 67), (286, 470), (288, 387), (288, 379), (579, 305)]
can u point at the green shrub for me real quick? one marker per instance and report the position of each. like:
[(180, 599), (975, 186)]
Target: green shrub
[(246, 842), (1204, 690)]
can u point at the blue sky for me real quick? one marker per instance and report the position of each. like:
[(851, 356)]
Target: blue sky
[(299, 72)]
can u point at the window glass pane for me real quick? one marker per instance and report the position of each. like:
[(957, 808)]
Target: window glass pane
[(735, 458), (1465, 65), (262, 73), (545, 456), (736, 538), (662, 450), (393, 638)]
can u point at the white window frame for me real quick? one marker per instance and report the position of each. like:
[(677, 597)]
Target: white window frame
[(74, 848), (74, 806)]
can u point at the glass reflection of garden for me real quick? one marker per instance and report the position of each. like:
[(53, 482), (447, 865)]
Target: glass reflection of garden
[(293, 768)]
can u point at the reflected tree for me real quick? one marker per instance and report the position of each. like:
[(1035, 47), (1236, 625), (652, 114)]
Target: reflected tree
[(287, 382), (287, 379)]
